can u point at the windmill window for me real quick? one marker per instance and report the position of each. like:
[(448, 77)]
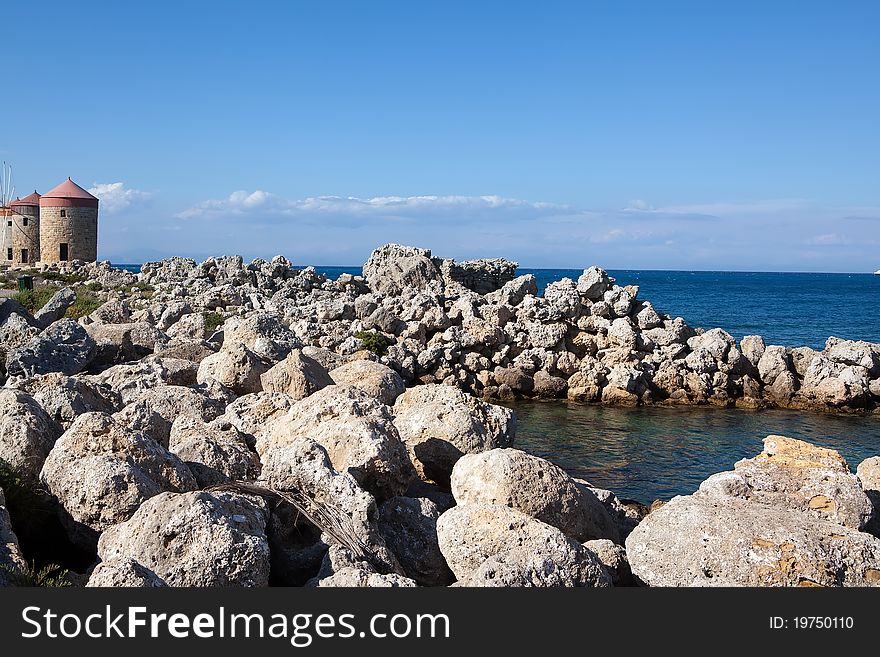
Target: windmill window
[(64, 213), (24, 221), (9, 223), (9, 254)]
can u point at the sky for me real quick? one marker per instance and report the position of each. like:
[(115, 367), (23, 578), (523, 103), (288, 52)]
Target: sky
[(632, 135)]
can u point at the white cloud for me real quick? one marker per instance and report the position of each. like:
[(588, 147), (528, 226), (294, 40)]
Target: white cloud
[(243, 202), (115, 197)]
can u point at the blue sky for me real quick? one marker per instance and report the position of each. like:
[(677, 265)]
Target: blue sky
[(670, 135)]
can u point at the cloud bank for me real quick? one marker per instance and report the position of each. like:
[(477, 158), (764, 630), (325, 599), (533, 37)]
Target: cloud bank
[(760, 235)]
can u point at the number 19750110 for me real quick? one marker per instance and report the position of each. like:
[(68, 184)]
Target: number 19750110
[(812, 623)]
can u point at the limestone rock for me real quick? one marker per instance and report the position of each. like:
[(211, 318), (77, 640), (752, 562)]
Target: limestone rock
[(11, 558), (155, 410), (251, 414), (409, 527), (772, 363), (304, 466), (123, 572), (122, 343), (236, 367), (377, 380), (613, 557), (788, 517), (593, 283), (195, 539), (439, 424), (131, 380), (358, 433), (55, 307), (263, 333), (487, 544), (703, 540), (297, 375), (64, 398), (535, 487), (868, 473), (101, 472), (27, 433), (63, 347), (215, 452), (393, 268)]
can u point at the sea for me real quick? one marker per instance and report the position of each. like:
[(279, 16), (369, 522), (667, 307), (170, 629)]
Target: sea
[(656, 453)]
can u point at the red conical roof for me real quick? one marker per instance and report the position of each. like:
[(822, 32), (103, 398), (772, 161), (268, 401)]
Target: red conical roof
[(68, 193), (30, 199)]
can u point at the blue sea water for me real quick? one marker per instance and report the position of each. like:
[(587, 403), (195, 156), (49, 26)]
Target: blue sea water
[(656, 453)]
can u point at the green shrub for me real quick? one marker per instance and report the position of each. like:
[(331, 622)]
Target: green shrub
[(372, 341), (51, 576), (64, 278), (85, 304), (35, 299), (94, 286), (213, 321)]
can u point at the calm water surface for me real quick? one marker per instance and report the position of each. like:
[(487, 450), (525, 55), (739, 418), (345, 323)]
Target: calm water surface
[(656, 453)]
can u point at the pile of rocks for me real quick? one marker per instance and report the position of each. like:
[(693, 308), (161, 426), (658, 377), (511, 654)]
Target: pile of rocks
[(160, 435), (471, 325)]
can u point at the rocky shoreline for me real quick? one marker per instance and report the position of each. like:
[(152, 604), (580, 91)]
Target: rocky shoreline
[(233, 424)]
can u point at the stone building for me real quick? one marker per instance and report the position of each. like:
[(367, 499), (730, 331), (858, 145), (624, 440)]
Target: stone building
[(68, 224), (20, 236), (59, 226)]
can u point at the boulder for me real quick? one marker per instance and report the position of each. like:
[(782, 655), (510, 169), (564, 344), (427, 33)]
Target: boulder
[(329, 360), (155, 410), (12, 561), (101, 472), (123, 572), (27, 433), (65, 398), (393, 268), (868, 473), (593, 283), (264, 334), (122, 343), (55, 307), (195, 539), (409, 527), (63, 347), (16, 329), (513, 292), (706, 540), (375, 379), (131, 380), (491, 545), (251, 414), (535, 487), (440, 424), (297, 376), (358, 433), (236, 367), (613, 557), (185, 349), (115, 311), (215, 452), (303, 466), (788, 517), (774, 361)]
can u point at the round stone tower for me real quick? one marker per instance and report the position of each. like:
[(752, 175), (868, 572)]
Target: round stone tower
[(24, 238), (68, 224)]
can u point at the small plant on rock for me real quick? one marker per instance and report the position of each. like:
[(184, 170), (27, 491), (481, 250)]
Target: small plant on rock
[(372, 341)]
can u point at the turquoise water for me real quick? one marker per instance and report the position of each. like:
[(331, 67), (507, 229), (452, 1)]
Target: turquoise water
[(655, 453)]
